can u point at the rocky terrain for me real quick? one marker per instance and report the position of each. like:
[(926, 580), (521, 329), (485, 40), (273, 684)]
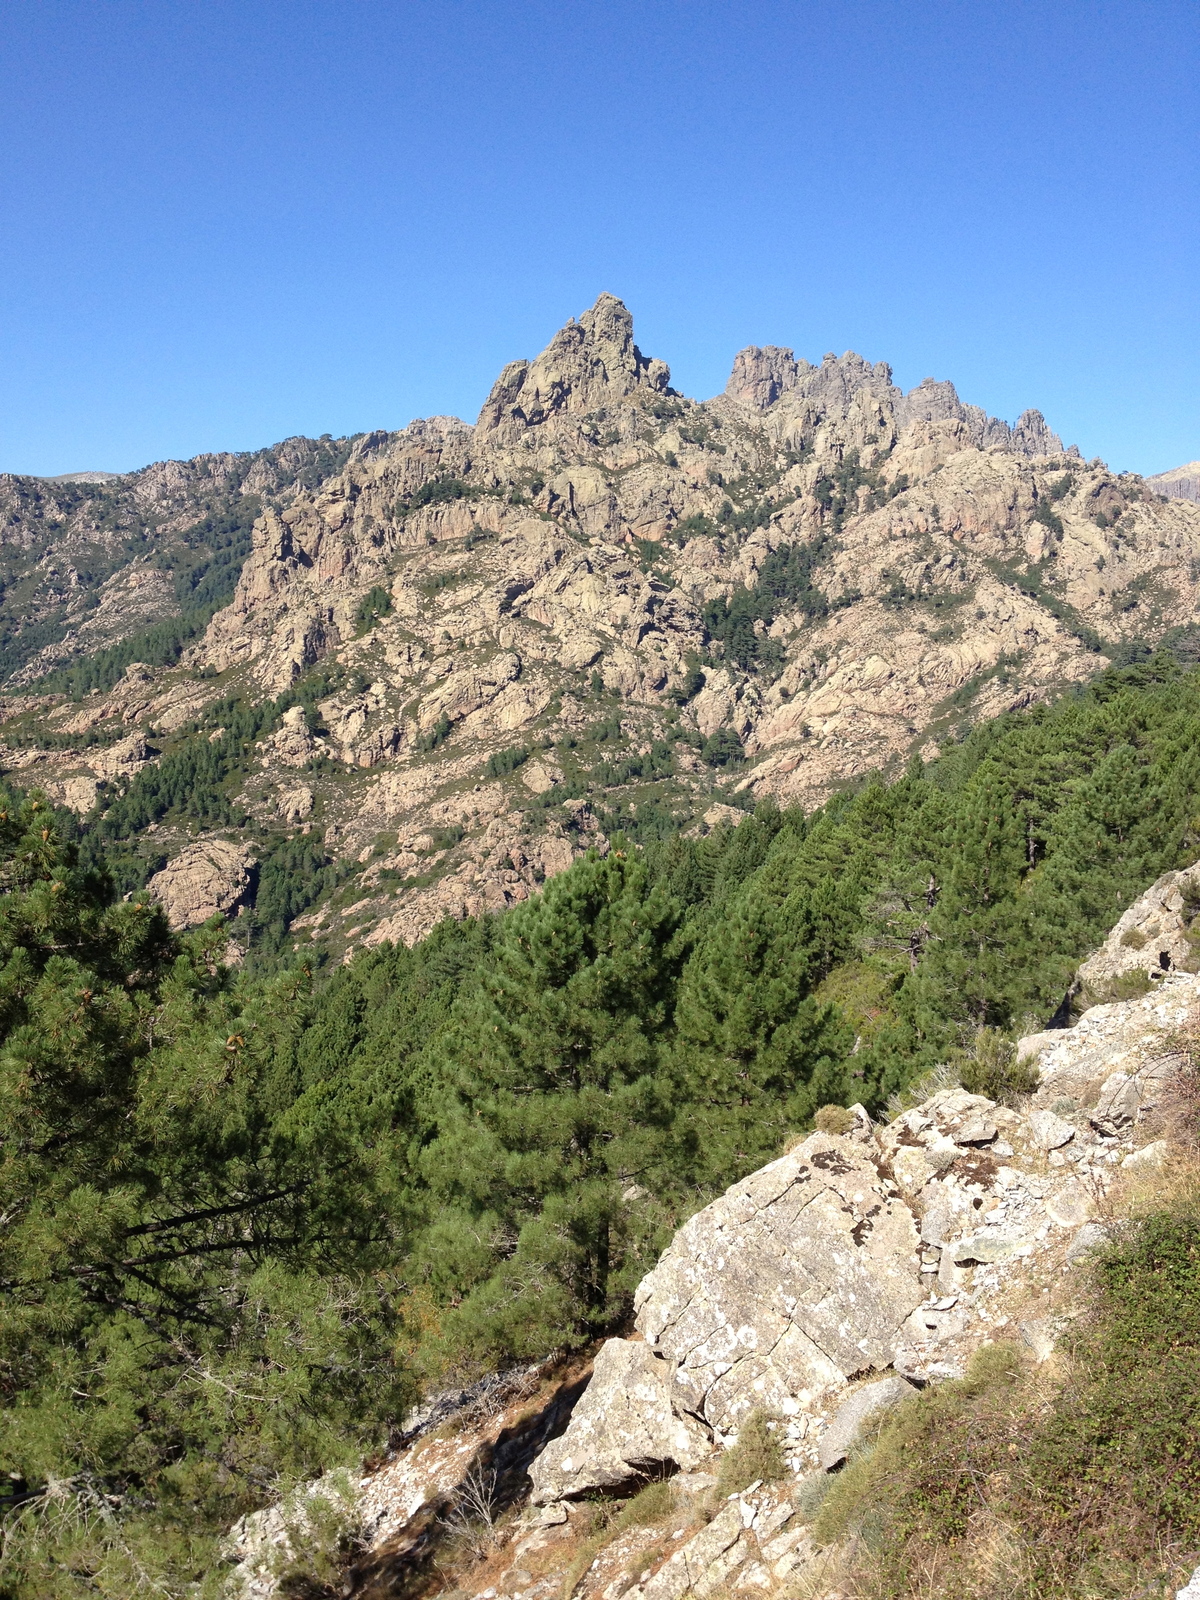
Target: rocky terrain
[(476, 650), (867, 1262), (90, 559), (1181, 483)]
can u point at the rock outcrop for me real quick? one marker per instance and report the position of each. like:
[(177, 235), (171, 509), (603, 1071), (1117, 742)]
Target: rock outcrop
[(628, 1424), (1154, 936), (1181, 483), (817, 1292), (798, 1278), (204, 880), (847, 1258)]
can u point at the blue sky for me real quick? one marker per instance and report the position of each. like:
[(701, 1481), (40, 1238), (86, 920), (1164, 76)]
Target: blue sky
[(223, 223)]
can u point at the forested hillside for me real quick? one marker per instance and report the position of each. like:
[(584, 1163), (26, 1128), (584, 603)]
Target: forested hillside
[(246, 1219)]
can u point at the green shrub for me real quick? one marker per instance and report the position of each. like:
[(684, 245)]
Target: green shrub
[(1089, 1493), (436, 492), (437, 735), (654, 1503), (1125, 986), (722, 749), (833, 1119), (1049, 519), (757, 1457), (990, 1067)]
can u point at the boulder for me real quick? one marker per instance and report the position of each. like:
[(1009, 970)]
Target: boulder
[(704, 1561), (295, 804), (207, 879), (1150, 1158), (626, 1424), (1040, 1335), (854, 1415), (1115, 1058), (796, 1279), (1049, 1131)]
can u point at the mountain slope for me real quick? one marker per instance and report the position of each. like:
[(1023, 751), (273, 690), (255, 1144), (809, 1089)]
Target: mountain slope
[(1181, 483), (89, 558), (469, 652)]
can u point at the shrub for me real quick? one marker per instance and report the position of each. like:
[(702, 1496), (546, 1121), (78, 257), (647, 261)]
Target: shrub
[(833, 1119), (722, 749), (1049, 519), (1125, 986), (756, 1457), (436, 736), (440, 491), (990, 1067), (654, 1503), (1014, 1481)]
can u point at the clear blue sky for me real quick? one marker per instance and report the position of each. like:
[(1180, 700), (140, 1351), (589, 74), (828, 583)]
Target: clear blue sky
[(223, 223)]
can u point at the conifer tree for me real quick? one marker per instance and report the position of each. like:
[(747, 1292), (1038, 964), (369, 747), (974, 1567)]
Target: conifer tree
[(756, 1052), (549, 1102)]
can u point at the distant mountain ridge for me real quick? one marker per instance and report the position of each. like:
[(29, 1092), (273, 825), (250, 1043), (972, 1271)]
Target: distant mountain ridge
[(1180, 483), (456, 655)]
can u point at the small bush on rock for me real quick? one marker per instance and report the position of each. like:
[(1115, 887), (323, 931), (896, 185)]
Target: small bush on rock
[(654, 1503), (990, 1067), (756, 1457), (833, 1119)]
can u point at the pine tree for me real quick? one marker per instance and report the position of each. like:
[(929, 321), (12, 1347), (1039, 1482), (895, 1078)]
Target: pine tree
[(756, 1053), (548, 1098)]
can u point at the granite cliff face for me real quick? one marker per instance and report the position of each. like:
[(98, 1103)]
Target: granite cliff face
[(1181, 483), (605, 602)]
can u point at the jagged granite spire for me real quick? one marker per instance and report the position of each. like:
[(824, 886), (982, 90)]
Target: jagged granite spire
[(588, 364), (762, 377)]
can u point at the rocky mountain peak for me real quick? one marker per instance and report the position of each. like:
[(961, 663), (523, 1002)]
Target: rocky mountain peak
[(588, 364), (760, 376), (542, 607)]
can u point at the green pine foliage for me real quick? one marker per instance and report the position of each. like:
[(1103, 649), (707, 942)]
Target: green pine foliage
[(784, 584), (194, 1291), (550, 1103)]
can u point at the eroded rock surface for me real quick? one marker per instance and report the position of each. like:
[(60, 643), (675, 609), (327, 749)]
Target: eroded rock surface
[(547, 569), (628, 1423), (204, 880), (799, 1277)]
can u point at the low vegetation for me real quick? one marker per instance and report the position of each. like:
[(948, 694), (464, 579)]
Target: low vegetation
[(1081, 1481)]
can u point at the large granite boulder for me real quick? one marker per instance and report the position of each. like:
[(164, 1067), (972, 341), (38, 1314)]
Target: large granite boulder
[(207, 879), (796, 1279), (626, 1424)]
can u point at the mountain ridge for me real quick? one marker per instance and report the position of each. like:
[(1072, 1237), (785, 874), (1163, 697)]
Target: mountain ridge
[(602, 606)]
